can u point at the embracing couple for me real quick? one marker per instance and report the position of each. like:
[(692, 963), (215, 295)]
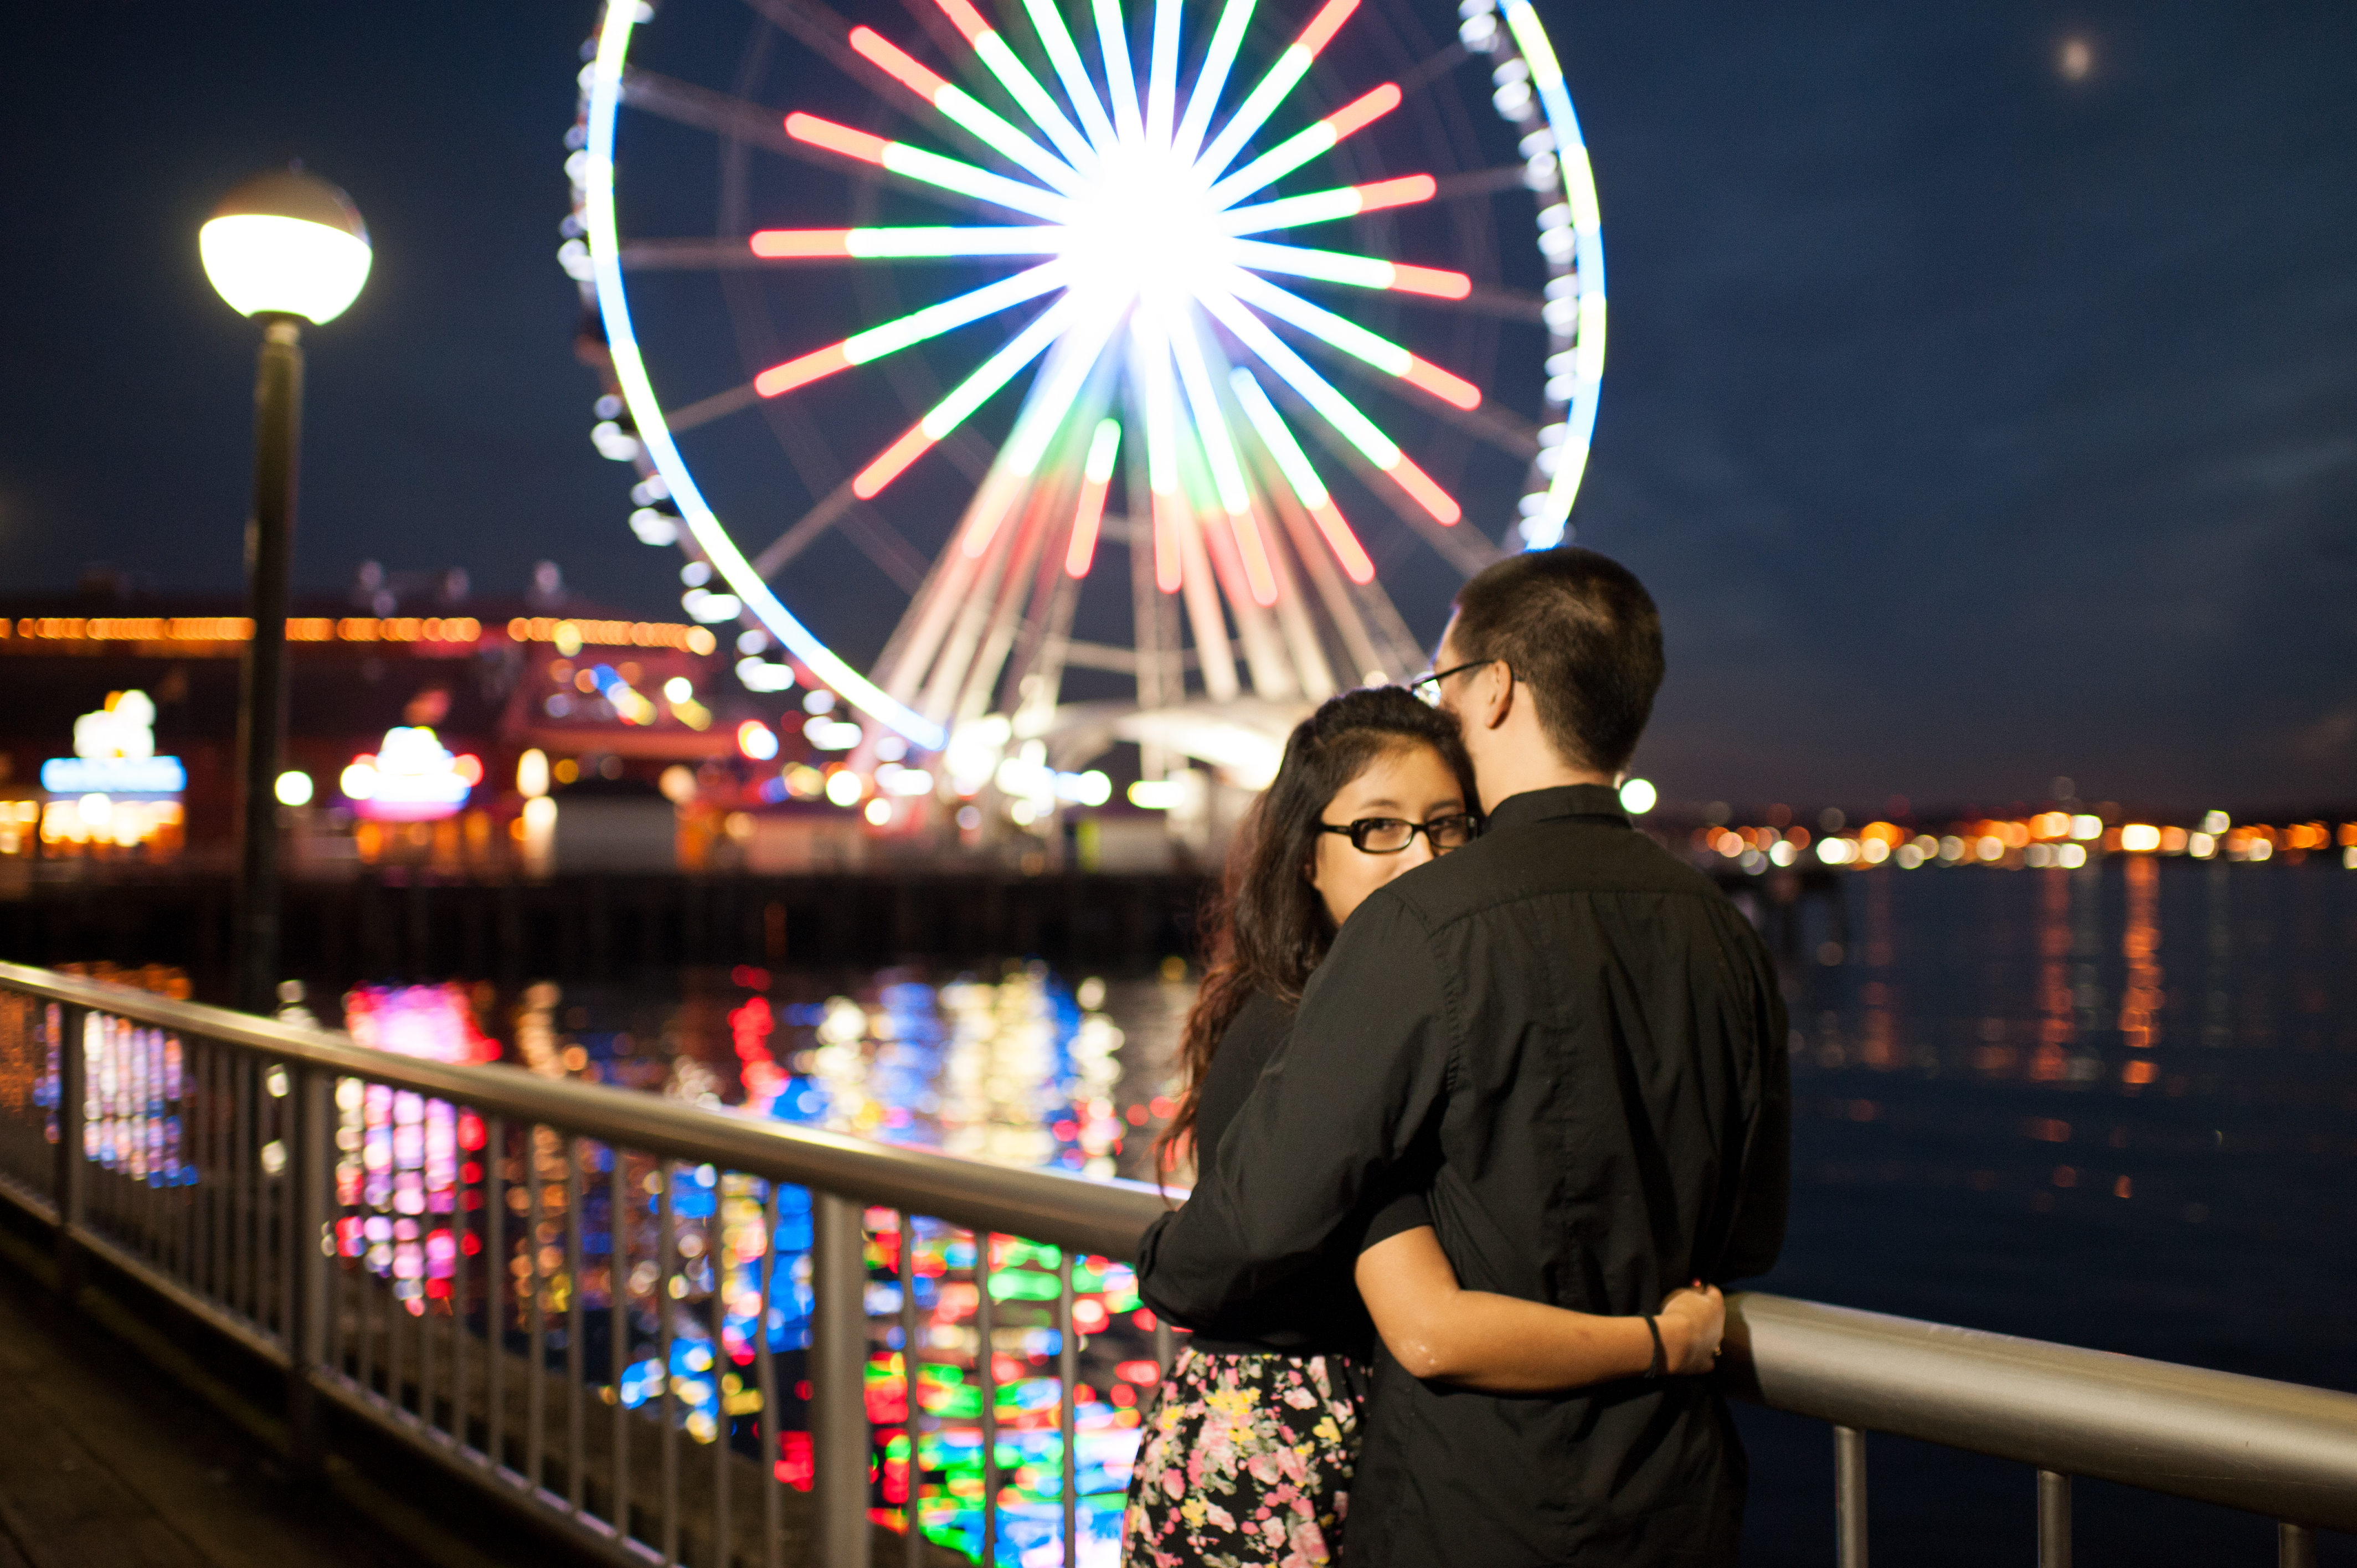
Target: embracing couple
[(1486, 1094)]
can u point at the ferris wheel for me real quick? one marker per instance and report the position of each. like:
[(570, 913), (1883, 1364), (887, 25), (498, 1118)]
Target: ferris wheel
[(1131, 356)]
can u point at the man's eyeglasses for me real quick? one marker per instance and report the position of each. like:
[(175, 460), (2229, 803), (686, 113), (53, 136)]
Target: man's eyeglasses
[(1426, 687), (1390, 836)]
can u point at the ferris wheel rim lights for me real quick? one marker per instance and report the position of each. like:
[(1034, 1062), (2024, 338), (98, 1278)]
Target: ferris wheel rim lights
[(646, 412), (1087, 197)]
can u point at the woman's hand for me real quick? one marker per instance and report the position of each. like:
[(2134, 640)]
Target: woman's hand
[(1692, 1319)]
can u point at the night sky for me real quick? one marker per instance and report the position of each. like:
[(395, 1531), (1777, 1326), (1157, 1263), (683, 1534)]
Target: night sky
[(1981, 407)]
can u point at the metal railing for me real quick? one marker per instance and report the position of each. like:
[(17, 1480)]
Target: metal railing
[(544, 1286)]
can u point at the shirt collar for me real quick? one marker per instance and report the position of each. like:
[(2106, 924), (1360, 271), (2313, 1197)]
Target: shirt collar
[(1594, 801)]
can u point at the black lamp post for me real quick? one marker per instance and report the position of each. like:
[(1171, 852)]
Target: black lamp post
[(284, 248)]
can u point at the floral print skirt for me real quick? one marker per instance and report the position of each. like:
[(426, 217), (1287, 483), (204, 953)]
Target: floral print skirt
[(1247, 1460)]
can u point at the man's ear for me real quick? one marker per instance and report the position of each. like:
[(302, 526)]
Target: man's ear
[(1496, 696)]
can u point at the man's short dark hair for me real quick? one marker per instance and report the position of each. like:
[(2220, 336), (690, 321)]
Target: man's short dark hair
[(1581, 631)]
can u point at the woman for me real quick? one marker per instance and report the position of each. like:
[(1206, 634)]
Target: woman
[(1249, 1442)]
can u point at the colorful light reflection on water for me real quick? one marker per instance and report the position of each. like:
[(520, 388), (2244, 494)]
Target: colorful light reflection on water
[(1016, 1070)]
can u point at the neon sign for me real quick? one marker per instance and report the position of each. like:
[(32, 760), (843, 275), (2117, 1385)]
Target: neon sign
[(114, 753), (412, 777)]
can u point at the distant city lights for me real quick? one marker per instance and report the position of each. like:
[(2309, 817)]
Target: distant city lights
[(2048, 839), (1637, 796), (293, 788)]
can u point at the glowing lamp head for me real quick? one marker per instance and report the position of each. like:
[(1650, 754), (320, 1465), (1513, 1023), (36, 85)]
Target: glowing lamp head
[(287, 243)]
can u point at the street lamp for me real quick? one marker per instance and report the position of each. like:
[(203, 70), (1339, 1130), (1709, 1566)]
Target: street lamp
[(285, 247)]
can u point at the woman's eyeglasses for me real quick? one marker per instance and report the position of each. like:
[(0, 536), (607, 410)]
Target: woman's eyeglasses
[(1390, 835)]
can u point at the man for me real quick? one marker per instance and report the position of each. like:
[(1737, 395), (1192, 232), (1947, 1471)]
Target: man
[(1579, 1045)]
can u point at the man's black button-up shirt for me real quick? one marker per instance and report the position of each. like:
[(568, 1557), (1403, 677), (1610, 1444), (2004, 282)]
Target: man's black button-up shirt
[(1586, 1041)]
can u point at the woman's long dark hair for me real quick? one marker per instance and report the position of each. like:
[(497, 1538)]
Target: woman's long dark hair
[(1267, 926)]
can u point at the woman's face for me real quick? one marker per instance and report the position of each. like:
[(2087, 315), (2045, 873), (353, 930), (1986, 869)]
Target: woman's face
[(1408, 781)]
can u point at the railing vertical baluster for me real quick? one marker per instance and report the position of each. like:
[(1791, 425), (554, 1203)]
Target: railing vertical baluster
[(667, 1436), (461, 1228), (1849, 1498), (1166, 1345), (536, 1445), (576, 1417), (765, 1362), (622, 1224), (838, 1365), (310, 1154), (286, 1201), (1068, 1371), (67, 1174), (338, 1287), (216, 1173), (242, 1193), (159, 1155), (985, 1370), (158, 1144), (395, 1307), (179, 1209), (364, 1304), (2054, 1519), (2295, 1545), (422, 1319), (716, 1253), (495, 1290), (913, 1363), (151, 1137)]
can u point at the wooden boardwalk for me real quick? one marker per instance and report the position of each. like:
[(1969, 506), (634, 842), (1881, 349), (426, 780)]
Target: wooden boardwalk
[(108, 1460)]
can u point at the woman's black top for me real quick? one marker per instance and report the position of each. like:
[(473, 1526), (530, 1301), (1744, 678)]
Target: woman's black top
[(1318, 1311)]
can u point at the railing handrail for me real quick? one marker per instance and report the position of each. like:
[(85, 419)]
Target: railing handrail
[(2279, 1448), (1099, 1216)]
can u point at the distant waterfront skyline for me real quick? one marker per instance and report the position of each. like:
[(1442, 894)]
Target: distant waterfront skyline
[(1978, 406)]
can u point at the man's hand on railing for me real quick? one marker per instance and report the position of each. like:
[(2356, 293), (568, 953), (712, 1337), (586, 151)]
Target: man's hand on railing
[(1692, 1319)]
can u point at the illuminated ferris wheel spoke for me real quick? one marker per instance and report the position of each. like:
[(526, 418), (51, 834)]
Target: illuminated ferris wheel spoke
[(1298, 149), (1342, 333), (1121, 81), (1096, 477), (1328, 206), (1227, 473), (932, 168), (912, 328), (1052, 399), (969, 394), (1282, 78), (962, 108), (1278, 440), (919, 243), (1066, 57), (1021, 85), (1358, 272), (1336, 409), (1212, 79), (1150, 368), (1162, 73)]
